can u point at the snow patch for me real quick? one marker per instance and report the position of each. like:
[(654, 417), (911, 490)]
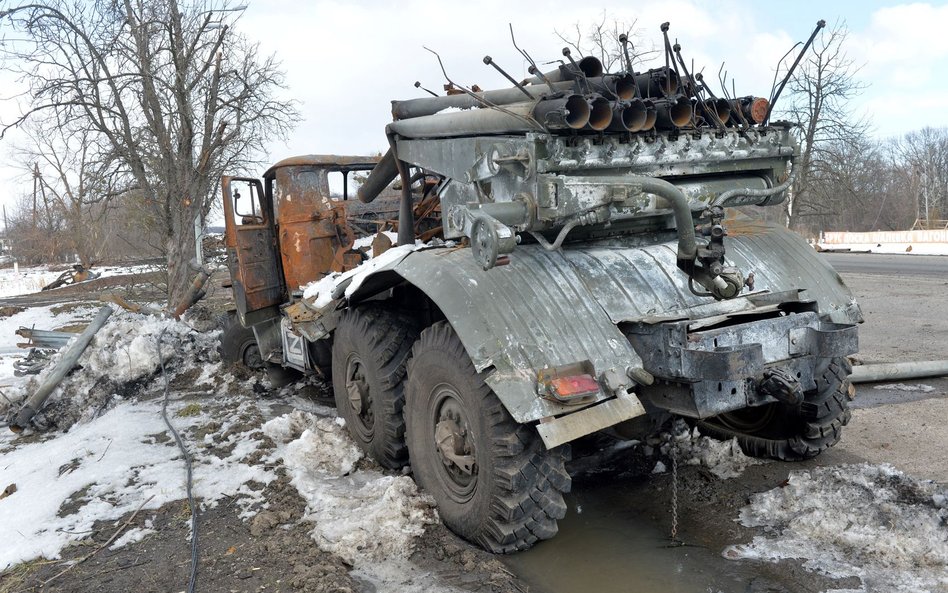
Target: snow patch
[(105, 469), (867, 521), (724, 459), (321, 291), (132, 536), (123, 352), (365, 516)]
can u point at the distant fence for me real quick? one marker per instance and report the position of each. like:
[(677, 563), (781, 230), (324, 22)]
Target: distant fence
[(848, 238)]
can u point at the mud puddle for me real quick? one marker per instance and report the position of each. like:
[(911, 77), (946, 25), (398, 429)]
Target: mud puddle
[(609, 542), (616, 534)]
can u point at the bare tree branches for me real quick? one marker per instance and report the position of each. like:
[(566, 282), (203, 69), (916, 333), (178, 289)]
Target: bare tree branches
[(818, 103), (168, 95), (601, 40)]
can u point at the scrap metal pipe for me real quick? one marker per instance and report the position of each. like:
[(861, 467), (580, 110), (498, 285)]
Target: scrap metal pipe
[(600, 113), (622, 86), (651, 116), (687, 246), (657, 82), (571, 112), (628, 116), (65, 364), (384, 173), (673, 113), (589, 66), (431, 105), (754, 109), (871, 373), (763, 194), (719, 108)]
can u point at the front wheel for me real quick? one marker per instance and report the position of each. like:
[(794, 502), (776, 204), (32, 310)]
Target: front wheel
[(494, 482), (792, 433)]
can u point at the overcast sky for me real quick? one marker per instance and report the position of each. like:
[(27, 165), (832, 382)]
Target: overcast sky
[(345, 61)]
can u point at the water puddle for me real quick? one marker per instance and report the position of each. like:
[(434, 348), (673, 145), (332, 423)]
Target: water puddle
[(611, 541)]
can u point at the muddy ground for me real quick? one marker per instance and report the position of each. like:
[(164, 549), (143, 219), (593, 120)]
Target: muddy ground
[(614, 496)]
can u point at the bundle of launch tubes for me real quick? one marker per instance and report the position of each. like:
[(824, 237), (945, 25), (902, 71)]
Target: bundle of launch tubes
[(580, 97)]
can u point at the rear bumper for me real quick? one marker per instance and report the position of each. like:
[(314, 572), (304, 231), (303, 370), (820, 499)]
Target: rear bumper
[(708, 367)]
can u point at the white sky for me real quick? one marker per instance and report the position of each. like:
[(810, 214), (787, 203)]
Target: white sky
[(345, 61)]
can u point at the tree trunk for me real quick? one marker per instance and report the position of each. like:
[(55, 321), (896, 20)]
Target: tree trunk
[(181, 251)]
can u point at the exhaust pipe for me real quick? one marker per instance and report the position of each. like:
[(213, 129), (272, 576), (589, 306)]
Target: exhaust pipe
[(657, 82), (673, 113), (600, 112), (629, 116)]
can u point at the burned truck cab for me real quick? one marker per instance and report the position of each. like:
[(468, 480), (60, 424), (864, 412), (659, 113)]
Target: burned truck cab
[(292, 228)]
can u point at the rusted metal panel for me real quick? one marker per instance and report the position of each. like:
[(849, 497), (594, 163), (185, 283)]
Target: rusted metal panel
[(314, 235), (251, 255), (323, 160)]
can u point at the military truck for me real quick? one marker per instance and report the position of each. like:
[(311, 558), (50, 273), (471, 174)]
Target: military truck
[(570, 259)]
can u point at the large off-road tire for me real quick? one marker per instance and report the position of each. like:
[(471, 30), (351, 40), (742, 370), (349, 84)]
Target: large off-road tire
[(792, 433), (369, 355), (493, 481), (239, 345)]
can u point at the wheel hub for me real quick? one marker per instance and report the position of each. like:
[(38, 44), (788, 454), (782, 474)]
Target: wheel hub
[(359, 396), (454, 444), (251, 357)]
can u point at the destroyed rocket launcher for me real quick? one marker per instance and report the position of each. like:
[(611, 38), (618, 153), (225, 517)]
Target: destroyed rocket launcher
[(579, 153)]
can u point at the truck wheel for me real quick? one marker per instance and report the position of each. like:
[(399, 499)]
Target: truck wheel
[(792, 433), (369, 354), (493, 481), (239, 345)]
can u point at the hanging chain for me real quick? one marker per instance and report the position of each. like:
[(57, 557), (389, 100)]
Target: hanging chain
[(674, 460)]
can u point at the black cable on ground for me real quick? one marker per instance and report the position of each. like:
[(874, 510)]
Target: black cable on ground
[(192, 580)]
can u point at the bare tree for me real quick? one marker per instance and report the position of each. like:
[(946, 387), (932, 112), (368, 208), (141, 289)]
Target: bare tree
[(600, 39), (818, 103), (164, 88), (71, 186), (924, 154)]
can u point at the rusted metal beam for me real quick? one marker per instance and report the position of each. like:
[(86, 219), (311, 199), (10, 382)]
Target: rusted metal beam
[(872, 373), (65, 364)]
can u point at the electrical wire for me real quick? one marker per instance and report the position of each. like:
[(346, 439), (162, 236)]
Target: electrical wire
[(192, 580)]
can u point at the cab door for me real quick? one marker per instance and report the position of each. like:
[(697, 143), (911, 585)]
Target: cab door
[(253, 255)]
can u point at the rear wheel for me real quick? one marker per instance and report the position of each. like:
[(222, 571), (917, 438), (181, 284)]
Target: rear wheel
[(369, 355), (494, 482), (792, 433)]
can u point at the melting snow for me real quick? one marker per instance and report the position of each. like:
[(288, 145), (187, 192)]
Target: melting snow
[(105, 469), (320, 292), (365, 516), (868, 521), (724, 459)]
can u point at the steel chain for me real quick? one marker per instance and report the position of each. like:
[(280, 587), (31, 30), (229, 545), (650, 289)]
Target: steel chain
[(674, 461)]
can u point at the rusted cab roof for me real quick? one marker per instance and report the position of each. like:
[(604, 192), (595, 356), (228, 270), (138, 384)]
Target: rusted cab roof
[(323, 160)]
